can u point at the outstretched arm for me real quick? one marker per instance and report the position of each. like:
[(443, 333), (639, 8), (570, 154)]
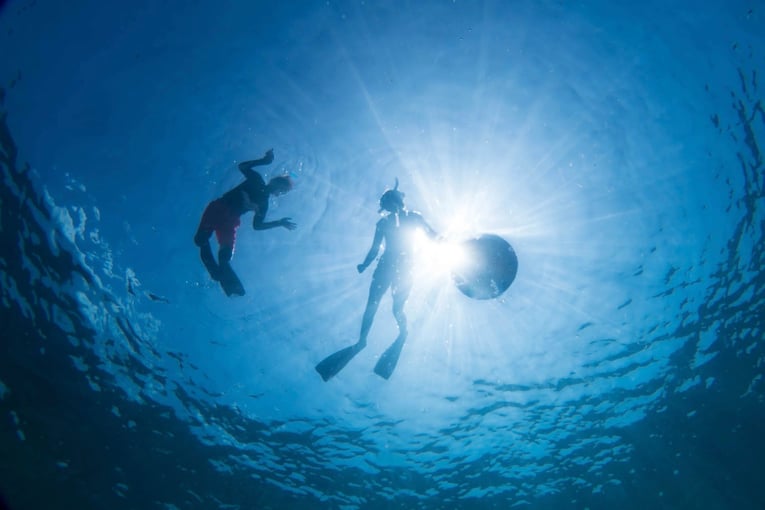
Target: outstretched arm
[(259, 224), (246, 166), (429, 230), (375, 248), (425, 227)]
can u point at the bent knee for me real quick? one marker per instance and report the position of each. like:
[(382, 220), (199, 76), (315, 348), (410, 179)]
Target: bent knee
[(201, 238)]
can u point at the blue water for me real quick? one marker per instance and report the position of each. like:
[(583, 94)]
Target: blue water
[(615, 145)]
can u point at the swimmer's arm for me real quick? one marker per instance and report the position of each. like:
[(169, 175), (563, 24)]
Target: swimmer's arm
[(373, 250), (427, 228), (259, 224), (429, 231), (246, 166), (284, 222)]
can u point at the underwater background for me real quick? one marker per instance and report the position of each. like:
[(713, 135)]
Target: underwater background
[(615, 145)]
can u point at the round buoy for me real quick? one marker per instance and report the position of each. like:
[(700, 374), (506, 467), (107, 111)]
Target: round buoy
[(488, 268)]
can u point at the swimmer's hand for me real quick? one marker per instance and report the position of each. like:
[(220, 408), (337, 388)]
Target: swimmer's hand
[(361, 267), (287, 223), (268, 157)]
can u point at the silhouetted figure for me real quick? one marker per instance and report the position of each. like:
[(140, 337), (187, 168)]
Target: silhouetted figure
[(222, 217), (394, 270)]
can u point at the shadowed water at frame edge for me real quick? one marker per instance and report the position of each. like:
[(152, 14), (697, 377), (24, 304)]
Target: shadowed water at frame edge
[(65, 446)]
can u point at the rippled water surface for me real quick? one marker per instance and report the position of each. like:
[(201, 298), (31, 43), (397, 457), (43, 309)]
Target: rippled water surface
[(617, 147)]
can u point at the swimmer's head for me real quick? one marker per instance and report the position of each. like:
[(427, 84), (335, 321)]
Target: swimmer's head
[(392, 200), (280, 185)]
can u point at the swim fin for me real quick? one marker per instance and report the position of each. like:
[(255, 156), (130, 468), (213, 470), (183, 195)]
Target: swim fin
[(332, 364), (389, 359)]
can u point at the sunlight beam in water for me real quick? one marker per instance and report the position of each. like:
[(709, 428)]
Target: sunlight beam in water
[(436, 259), (561, 220)]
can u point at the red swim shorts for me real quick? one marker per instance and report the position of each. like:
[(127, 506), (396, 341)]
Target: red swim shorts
[(220, 218)]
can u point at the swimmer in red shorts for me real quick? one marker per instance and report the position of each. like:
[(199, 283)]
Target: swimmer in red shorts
[(222, 217)]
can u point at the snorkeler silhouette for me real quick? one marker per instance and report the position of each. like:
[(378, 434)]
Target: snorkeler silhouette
[(394, 270), (222, 217)]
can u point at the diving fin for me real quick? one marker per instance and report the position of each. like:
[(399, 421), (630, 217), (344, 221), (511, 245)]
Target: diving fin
[(389, 359), (334, 363)]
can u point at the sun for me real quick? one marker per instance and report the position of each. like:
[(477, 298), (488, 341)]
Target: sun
[(436, 259)]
